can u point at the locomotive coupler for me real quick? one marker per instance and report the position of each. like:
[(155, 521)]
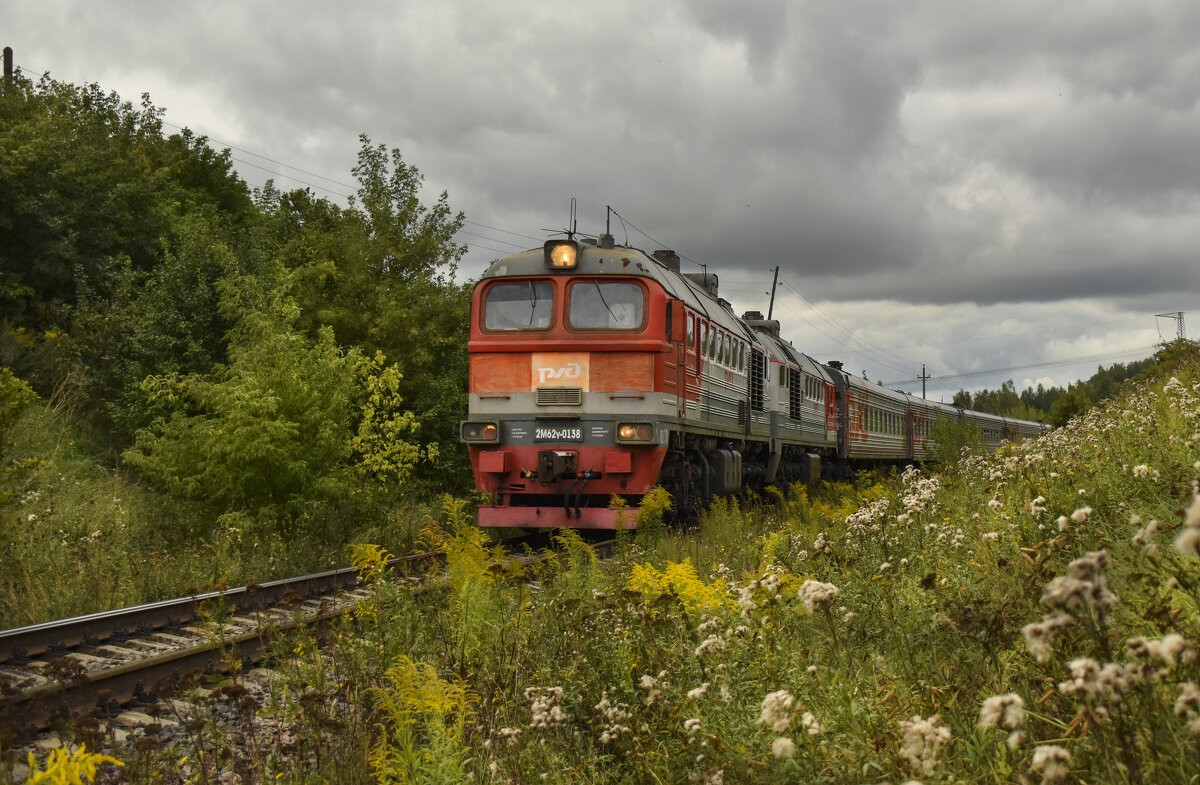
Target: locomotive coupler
[(554, 465)]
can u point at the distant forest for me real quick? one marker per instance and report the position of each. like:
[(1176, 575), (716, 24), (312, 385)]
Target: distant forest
[(1054, 405)]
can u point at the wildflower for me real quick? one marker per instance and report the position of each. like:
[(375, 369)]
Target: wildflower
[(1171, 648), (1081, 515), (1064, 523), (885, 566), (648, 682), (1109, 681), (692, 725), (711, 642), (1083, 588), (1188, 705), (543, 704), (1192, 518), (812, 669), (988, 536), (813, 725), (1143, 539), (1141, 470), (783, 747), (815, 593), (1016, 739), (1039, 635), (1002, 711), (1051, 760), (922, 742), (776, 708), (1188, 541), (746, 599), (698, 693), (613, 732), (31, 518)]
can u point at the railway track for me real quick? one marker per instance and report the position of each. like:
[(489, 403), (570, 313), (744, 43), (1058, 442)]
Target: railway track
[(116, 677), (109, 663), (105, 662)]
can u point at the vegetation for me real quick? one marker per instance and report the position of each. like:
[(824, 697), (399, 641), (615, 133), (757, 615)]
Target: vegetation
[(1028, 615), (1057, 405), (237, 368)]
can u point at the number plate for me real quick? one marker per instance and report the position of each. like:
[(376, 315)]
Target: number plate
[(570, 433)]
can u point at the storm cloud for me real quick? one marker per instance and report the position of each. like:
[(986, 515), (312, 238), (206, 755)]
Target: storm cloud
[(970, 186)]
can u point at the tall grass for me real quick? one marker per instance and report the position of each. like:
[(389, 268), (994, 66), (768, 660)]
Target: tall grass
[(79, 535), (1029, 615)]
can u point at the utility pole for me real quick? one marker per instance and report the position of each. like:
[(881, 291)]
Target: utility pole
[(8, 63), (774, 283), (1180, 333), (923, 377)]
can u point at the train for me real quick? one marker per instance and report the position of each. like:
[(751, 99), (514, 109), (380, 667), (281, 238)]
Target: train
[(599, 371)]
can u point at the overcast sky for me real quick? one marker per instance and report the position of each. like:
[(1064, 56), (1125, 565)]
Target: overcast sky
[(967, 185)]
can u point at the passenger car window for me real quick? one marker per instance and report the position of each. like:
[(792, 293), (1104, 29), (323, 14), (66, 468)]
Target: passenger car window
[(523, 305), (606, 305)]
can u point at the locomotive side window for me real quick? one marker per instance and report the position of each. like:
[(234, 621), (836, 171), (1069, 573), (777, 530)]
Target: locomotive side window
[(606, 305), (524, 305)]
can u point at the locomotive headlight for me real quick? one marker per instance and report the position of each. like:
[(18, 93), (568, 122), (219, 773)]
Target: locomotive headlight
[(561, 254), (479, 432), (635, 432)]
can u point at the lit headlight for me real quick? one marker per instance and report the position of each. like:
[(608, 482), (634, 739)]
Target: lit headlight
[(561, 254), (479, 432), (635, 432)]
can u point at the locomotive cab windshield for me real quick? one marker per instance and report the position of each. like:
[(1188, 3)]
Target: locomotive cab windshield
[(605, 305), (522, 305)]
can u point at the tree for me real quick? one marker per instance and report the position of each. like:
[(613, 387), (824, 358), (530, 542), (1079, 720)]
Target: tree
[(93, 199), (268, 434), (380, 273), (1072, 404)]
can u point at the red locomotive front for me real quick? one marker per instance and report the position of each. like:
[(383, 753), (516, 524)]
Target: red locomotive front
[(570, 365)]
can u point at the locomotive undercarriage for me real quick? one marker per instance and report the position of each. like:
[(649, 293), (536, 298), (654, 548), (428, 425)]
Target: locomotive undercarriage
[(697, 468)]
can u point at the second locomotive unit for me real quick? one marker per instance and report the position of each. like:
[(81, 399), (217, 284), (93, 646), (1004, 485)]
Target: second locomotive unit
[(597, 370)]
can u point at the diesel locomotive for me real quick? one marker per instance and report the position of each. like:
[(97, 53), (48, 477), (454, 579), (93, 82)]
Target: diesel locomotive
[(598, 370)]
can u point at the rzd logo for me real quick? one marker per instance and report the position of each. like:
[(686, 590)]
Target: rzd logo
[(569, 371)]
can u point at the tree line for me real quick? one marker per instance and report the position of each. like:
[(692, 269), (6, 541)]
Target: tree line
[(264, 354), (1057, 405)]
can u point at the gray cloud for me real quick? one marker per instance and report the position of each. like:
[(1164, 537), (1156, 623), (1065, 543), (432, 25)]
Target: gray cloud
[(1001, 159)]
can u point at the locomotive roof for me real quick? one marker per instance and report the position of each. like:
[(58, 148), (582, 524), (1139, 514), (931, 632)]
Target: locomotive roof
[(624, 260)]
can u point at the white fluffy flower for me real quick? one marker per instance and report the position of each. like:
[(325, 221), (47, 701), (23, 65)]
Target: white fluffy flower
[(817, 594), (777, 710)]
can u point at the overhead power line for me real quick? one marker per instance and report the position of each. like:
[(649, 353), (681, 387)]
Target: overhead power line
[(1048, 364)]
